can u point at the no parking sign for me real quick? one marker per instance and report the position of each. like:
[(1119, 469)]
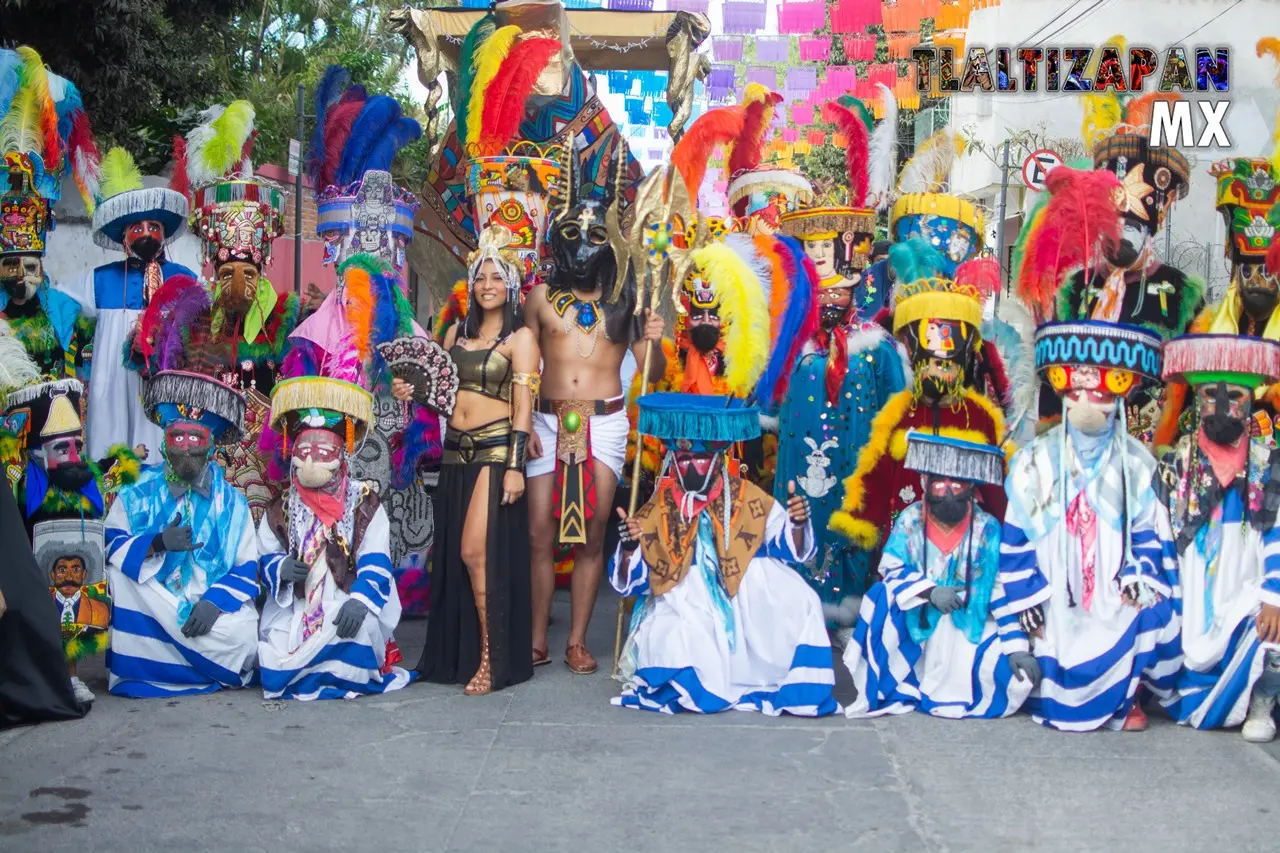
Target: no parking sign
[(1037, 167)]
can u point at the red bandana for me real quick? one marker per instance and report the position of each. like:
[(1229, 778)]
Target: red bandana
[(327, 506)]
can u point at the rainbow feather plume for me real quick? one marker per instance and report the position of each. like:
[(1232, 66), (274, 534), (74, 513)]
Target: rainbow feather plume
[(78, 139), (476, 36), (795, 325), (487, 62), (454, 310), (512, 86), (743, 312), (328, 92), (36, 80), (758, 104)]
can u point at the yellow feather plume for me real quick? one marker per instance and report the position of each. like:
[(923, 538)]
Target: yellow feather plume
[(930, 167), (743, 314), (1270, 46), (1102, 112), (488, 59), (119, 173)]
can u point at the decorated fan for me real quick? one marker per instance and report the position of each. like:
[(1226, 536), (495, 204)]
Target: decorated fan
[(427, 367)]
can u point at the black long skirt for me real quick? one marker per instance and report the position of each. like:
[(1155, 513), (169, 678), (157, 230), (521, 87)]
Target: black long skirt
[(452, 653), (34, 683)]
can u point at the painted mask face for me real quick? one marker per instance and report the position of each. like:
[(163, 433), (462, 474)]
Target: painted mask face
[(489, 289), (698, 464), (1090, 411), (704, 329), (187, 449), (65, 463), (21, 276), (1133, 240), (318, 456), (947, 500), (580, 246), (68, 575), (238, 285), (144, 239), (833, 306), (1258, 289), (1224, 410), (823, 253)]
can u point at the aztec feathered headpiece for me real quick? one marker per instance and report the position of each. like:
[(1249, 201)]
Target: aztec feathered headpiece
[(355, 132), (495, 245), (720, 126), (1068, 234), (498, 68), (218, 147), (735, 273), (28, 126), (376, 310)]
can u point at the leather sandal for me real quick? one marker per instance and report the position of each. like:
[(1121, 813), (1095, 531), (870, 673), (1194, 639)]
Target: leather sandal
[(579, 660), (1136, 720), (541, 657)]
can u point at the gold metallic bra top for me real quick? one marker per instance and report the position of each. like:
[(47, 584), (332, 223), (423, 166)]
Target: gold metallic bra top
[(486, 372)]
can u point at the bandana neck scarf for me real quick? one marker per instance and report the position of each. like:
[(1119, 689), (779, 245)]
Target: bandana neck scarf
[(327, 506), (1227, 462)]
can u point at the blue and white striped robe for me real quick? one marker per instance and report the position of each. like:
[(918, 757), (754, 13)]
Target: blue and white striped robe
[(1223, 656), (1092, 660), (694, 649), (948, 675), (148, 655), (325, 666)]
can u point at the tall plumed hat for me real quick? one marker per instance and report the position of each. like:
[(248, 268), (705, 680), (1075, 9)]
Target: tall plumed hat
[(125, 199), (1240, 360), (1249, 200), (48, 409), (669, 417), (1096, 355), (357, 136), (26, 210), (180, 395), (955, 458), (951, 225), (319, 402)]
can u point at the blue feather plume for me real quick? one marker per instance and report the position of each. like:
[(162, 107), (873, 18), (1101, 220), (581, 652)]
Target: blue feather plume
[(328, 91), (400, 134), (10, 78), (798, 306), (915, 259), (379, 114), (70, 106)]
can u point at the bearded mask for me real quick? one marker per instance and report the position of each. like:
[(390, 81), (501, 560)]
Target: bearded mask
[(1258, 290), (144, 240), (237, 285), (317, 459), (65, 464), (948, 500), (21, 275), (1133, 240), (698, 464), (580, 246), (833, 306), (188, 447), (1224, 412)]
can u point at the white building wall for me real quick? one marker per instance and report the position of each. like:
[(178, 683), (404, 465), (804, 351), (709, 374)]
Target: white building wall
[(1157, 24)]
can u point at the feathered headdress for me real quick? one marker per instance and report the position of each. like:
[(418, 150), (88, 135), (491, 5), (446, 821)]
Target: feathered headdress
[(30, 124), (758, 104), (793, 312), (854, 122), (164, 328), (504, 100), (1079, 216), (216, 148), (882, 156), (355, 133), (719, 126), (929, 168), (77, 137), (376, 310), (495, 245), (743, 311)]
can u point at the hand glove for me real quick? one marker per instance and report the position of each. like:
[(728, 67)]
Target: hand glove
[(175, 537), (1031, 619), (1025, 666), (945, 598), (201, 620), (350, 617), (292, 570)]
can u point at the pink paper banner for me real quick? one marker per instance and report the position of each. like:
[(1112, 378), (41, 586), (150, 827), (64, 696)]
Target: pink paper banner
[(801, 17), (854, 16), (802, 115), (790, 134), (815, 49)]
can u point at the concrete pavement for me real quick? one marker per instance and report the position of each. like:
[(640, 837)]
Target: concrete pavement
[(552, 766)]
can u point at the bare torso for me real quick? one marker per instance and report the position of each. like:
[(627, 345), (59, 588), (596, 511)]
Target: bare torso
[(472, 410), (576, 365)]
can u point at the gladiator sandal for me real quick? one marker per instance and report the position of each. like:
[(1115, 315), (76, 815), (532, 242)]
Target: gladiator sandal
[(482, 682)]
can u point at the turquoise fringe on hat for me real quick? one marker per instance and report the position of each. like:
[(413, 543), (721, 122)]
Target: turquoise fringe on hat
[(697, 417)]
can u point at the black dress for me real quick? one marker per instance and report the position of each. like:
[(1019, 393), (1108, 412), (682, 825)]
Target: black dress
[(34, 684)]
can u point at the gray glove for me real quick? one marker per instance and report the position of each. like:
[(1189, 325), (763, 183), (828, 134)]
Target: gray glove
[(350, 617), (292, 570), (1025, 666), (945, 598), (175, 537), (201, 620)]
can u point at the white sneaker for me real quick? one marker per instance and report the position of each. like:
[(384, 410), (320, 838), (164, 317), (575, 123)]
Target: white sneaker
[(1260, 726), (84, 695)]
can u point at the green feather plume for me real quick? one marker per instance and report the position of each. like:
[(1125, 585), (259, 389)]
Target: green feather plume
[(222, 152), (119, 173)]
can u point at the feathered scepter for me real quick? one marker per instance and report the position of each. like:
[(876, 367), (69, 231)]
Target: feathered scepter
[(1079, 216), (850, 117), (882, 154)]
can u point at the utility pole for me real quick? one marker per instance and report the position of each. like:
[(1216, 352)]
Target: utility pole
[(297, 197), (1004, 193)]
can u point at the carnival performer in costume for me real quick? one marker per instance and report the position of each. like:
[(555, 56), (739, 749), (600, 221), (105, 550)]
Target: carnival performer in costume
[(519, 82), (1087, 560), (1222, 488), (233, 327), (36, 155), (939, 321), (480, 631), (927, 637), (140, 221), (848, 369), (584, 326), (332, 605), (182, 553), (722, 622), (366, 222)]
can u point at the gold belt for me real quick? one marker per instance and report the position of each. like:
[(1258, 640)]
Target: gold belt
[(483, 445)]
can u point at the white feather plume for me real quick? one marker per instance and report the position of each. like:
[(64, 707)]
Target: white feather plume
[(199, 137), (883, 152), (1012, 331), (16, 367), (929, 168), (744, 247)]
